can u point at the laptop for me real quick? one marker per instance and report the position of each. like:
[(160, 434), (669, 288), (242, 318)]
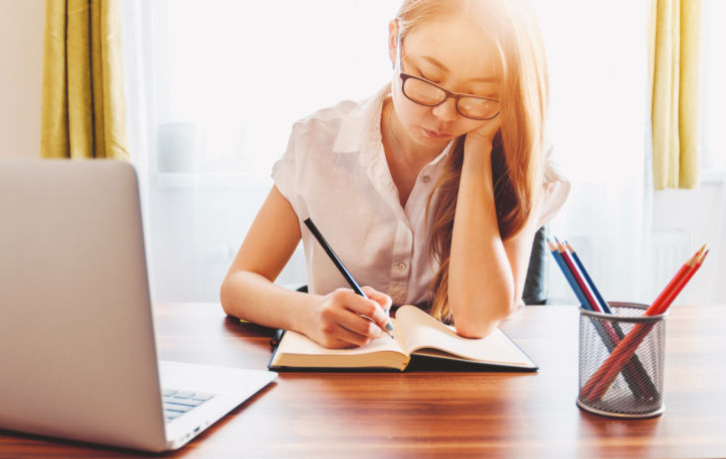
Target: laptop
[(78, 358)]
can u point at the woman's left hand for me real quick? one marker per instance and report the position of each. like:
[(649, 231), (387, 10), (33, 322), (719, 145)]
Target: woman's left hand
[(482, 137)]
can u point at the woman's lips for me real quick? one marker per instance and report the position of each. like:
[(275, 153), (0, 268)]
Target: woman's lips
[(435, 134)]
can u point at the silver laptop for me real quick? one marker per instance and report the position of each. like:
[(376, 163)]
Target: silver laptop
[(78, 358)]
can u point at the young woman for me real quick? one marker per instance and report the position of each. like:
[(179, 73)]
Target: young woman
[(430, 192)]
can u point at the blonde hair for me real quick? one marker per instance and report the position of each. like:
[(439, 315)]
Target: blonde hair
[(518, 163)]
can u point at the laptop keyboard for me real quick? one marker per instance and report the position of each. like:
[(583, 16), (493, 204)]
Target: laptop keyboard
[(179, 402)]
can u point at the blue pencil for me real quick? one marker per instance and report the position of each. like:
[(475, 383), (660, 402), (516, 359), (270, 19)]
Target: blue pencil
[(603, 304), (634, 373), (568, 275)]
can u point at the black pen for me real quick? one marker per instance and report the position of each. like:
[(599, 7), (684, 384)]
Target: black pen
[(339, 264)]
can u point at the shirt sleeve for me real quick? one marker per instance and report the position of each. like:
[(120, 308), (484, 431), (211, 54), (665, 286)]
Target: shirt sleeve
[(555, 194), (284, 172), (555, 191)]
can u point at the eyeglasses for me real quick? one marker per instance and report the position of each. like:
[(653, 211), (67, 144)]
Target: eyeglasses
[(424, 92)]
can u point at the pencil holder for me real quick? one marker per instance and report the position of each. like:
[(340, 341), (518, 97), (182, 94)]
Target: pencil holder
[(632, 385)]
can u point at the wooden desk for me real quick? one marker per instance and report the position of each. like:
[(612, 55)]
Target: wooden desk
[(436, 415)]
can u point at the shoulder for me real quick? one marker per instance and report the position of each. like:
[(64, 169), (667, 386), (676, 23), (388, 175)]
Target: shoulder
[(326, 119), (342, 127)]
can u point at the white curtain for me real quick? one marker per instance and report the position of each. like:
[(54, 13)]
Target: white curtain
[(215, 87), (134, 21)]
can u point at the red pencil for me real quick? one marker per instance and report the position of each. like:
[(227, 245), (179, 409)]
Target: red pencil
[(677, 290), (601, 380), (579, 278)]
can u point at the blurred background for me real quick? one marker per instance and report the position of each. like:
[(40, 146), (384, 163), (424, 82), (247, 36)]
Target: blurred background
[(213, 88)]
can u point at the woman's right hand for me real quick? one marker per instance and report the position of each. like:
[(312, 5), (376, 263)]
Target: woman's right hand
[(341, 318)]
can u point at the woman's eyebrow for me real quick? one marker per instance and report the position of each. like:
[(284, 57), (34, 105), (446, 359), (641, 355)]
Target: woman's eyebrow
[(438, 64)]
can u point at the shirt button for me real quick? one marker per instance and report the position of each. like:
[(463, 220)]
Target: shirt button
[(426, 179), (402, 266)]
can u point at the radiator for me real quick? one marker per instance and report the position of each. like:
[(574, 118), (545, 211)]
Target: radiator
[(669, 249)]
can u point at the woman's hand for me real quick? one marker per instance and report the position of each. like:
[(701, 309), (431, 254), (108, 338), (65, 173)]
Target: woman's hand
[(482, 138), (344, 319)]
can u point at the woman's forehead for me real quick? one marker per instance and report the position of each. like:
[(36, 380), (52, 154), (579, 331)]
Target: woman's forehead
[(458, 46)]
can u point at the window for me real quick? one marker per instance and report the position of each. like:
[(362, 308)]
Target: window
[(223, 83)]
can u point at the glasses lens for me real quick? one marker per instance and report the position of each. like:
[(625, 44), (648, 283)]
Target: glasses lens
[(481, 109), (423, 92)]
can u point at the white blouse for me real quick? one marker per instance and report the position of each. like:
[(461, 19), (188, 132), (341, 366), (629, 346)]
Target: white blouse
[(335, 172)]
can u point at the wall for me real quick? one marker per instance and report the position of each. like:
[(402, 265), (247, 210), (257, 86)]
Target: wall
[(698, 215), (21, 55)]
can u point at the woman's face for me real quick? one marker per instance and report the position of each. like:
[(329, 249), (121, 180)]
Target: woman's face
[(454, 54)]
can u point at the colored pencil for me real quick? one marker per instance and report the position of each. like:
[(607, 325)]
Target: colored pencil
[(603, 304), (634, 373), (579, 278), (568, 275), (698, 261), (610, 334), (600, 381)]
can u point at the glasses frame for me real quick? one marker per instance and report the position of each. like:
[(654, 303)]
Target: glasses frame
[(449, 94)]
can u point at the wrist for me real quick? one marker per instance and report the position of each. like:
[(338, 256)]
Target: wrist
[(302, 317), (478, 155)]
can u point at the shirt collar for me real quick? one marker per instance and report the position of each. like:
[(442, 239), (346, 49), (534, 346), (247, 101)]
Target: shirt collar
[(360, 131), (361, 128)]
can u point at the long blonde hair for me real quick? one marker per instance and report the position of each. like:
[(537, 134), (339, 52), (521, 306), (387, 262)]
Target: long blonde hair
[(517, 160)]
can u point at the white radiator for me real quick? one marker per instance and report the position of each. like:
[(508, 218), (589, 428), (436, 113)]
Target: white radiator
[(669, 249)]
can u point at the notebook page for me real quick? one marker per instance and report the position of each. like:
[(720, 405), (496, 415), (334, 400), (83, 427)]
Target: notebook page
[(296, 343), (423, 331)]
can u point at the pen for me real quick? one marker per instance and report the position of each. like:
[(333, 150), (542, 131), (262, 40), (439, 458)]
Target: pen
[(339, 264)]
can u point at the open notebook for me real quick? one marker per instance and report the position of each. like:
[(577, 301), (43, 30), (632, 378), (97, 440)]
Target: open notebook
[(417, 335)]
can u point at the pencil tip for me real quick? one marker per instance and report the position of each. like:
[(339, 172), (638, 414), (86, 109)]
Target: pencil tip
[(703, 256)]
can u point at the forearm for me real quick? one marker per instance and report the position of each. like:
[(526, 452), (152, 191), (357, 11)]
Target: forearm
[(254, 298), (481, 280)]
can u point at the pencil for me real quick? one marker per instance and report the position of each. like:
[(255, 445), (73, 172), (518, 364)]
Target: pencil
[(568, 275), (610, 334), (670, 293), (579, 278), (339, 264), (603, 304), (601, 380)]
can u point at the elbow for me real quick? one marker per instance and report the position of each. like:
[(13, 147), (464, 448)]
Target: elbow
[(483, 324), (225, 296), (473, 330)]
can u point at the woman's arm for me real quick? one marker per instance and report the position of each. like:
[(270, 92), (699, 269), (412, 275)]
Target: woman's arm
[(248, 291), (486, 275)]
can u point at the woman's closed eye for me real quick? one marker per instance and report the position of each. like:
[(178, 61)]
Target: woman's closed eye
[(429, 78)]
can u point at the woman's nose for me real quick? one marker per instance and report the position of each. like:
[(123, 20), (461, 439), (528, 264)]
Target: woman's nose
[(446, 111)]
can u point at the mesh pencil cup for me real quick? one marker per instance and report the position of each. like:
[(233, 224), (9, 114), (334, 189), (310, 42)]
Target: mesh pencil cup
[(621, 362)]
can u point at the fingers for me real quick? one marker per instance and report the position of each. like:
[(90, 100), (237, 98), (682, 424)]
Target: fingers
[(358, 314), (348, 319), (348, 338), (381, 298), (376, 307)]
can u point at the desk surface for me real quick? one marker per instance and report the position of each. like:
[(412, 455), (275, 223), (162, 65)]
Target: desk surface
[(435, 415)]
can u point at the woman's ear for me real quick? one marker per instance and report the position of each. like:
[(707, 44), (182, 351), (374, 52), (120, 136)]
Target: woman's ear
[(392, 41)]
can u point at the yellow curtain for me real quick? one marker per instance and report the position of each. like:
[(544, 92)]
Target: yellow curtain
[(83, 112), (674, 71)]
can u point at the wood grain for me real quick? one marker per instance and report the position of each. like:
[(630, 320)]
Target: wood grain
[(438, 414)]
